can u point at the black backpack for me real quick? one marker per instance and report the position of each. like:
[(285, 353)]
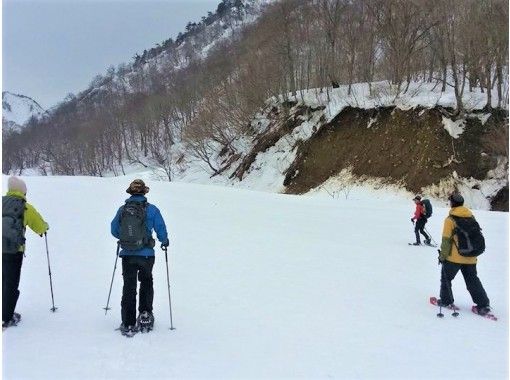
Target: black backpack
[(13, 209), (471, 242), (133, 226), (428, 208)]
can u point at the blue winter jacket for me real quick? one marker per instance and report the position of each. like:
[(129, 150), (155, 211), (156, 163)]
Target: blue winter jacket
[(154, 222)]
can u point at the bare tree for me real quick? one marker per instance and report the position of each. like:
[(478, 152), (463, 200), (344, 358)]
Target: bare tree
[(329, 13)]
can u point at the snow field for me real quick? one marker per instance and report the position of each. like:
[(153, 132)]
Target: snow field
[(263, 286)]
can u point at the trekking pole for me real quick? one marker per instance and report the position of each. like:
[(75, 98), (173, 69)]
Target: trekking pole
[(455, 311), (168, 282), (111, 284), (53, 308), (440, 314), (428, 233)]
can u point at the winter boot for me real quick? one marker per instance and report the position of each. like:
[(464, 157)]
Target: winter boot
[(145, 321), (483, 310), (427, 241), (417, 243), (441, 303)]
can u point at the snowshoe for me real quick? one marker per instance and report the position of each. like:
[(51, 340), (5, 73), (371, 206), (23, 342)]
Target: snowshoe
[(128, 331), (484, 311), (145, 321), (16, 318), (437, 302), (429, 243)]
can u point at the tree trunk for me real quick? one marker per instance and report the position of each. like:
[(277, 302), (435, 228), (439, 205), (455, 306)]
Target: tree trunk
[(445, 72), (464, 73), (499, 70), (488, 79), (456, 84)]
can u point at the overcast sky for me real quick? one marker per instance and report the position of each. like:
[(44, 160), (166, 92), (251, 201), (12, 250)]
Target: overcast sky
[(55, 47)]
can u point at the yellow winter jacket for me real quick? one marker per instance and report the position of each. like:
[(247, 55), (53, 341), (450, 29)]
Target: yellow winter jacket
[(31, 217), (450, 241)]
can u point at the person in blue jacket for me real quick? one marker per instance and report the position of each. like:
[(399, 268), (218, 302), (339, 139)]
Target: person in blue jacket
[(138, 262)]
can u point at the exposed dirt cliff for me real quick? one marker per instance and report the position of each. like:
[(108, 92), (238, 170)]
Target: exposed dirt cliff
[(409, 147)]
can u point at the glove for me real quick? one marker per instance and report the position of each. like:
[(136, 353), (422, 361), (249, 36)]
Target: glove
[(165, 244), (412, 220)]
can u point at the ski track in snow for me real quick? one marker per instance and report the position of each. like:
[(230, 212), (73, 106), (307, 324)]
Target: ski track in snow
[(263, 286)]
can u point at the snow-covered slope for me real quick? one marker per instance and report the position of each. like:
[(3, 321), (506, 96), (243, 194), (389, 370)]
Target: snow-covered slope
[(268, 171), (263, 286), (195, 44), (18, 109)]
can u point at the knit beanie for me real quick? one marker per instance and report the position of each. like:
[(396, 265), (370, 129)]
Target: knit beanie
[(16, 184), (456, 200)]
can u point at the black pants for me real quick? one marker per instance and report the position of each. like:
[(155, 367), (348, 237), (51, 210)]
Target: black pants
[(473, 283), (11, 272), (419, 228), (133, 267)]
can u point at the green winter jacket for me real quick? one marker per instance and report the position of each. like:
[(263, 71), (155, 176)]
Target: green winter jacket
[(31, 217)]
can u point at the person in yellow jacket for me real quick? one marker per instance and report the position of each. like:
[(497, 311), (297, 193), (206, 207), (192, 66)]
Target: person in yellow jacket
[(452, 261), (16, 215)]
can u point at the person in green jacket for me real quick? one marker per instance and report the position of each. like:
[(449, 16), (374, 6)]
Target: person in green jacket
[(16, 215)]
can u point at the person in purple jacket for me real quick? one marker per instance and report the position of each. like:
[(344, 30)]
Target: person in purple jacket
[(133, 225)]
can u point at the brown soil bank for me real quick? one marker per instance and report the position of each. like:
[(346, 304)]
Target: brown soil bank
[(500, 201), (409, 146)]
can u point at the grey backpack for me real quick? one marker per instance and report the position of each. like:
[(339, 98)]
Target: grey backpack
[(13, 209), (133, 226)]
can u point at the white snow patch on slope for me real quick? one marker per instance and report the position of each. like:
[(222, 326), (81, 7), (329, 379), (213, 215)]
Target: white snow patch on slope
[(19, 108), (454, 128)]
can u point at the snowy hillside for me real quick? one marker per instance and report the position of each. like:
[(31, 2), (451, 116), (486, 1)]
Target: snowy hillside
[(271, 164), (18, 109), (268, 170), (169, 56), (263, 286)]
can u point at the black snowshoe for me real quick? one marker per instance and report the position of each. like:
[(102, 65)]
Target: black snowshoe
[(16, 318), (128, 331), (145, 321), (429, 243)]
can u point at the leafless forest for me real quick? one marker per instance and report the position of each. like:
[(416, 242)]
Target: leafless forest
[(174, 93)]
